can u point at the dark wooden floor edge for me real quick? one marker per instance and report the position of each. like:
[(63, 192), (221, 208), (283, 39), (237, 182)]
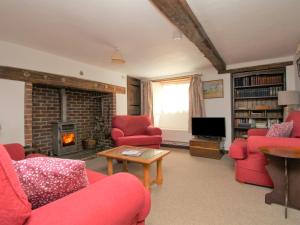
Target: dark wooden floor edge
[(175, 146)]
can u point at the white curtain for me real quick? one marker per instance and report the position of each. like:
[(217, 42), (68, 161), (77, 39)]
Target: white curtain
[(196, 101), (171, 105)]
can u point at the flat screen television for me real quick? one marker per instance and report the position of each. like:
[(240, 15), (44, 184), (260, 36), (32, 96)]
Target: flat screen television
[(208, 126)]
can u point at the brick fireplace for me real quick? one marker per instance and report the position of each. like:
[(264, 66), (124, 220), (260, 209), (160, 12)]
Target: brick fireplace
[(89, 112)]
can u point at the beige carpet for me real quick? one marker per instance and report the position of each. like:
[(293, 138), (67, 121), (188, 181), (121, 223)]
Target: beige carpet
[(200, 191)]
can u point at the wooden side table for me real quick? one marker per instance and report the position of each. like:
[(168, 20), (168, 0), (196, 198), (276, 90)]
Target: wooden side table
[(284, 169), (203, 147)]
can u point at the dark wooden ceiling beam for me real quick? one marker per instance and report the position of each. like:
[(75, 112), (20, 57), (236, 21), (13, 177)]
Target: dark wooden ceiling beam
[(37, 77), (260, 67), (181, 15)]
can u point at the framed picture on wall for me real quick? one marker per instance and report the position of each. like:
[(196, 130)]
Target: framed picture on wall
[(298, 66), (213, 89)]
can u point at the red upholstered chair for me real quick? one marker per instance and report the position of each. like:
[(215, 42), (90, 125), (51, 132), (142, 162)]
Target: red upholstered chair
[(135, 131), (250, 162), (117, 199)]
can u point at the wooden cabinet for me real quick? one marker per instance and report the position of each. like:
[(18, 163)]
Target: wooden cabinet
[(209, 148), (254, 100), (133, 96)]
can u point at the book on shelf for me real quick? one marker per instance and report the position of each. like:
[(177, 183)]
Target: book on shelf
[(258, 92), (258, 80)]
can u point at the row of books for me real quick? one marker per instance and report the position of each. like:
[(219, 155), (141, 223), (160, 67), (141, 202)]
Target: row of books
[(262, 114), (254, 103), (258, 80), (252, 123), (258, 92)]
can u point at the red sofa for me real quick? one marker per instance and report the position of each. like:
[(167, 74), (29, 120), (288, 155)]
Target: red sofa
[(250, 162), (135, 131), (120, 199)]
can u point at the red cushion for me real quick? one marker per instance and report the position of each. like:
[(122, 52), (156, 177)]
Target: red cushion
[(281, 130), (94, 176), (139, 140), (14, 206), (132, 125), (46, 179)]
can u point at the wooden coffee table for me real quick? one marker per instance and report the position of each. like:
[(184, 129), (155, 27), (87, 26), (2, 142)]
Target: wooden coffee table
[(148, 157)]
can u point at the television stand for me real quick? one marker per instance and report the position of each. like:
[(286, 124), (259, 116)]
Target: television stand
[(206, 147)]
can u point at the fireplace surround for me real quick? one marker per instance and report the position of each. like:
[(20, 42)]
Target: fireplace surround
[(53, 113)]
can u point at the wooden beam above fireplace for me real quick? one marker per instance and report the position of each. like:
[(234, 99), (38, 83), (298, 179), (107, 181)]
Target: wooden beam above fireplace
[(180, 14), (37, 77)]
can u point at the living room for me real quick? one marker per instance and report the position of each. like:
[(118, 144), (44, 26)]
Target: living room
[(191, 87)]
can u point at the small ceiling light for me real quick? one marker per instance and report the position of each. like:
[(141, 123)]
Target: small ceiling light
[(177, 35), (117, 58)]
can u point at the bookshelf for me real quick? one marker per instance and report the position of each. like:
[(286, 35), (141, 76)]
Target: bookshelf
[(254, 100)]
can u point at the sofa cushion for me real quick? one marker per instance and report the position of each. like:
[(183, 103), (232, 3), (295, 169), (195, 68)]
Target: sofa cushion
[(46, 179), (281, 130), (132, 125), (14, 206), (140, 140)]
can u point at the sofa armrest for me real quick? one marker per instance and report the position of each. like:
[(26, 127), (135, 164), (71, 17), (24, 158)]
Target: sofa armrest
[(153, 130), (16, 151), (116, 133), (238, 149), (117, 199), (255, 142), (257, 132)]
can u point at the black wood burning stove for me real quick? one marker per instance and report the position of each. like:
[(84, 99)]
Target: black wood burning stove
[(64, 138), (64, 133)]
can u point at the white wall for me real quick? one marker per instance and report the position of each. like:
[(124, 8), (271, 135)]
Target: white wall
[(12, 92), (22, 57), (11, 111)]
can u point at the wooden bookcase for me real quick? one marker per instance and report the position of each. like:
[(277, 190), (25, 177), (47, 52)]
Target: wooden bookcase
[(254, 100)]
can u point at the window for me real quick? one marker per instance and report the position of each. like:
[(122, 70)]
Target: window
[(171, 105)]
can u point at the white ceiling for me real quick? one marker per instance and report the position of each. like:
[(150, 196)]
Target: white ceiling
[(250, 30), (89, 30)]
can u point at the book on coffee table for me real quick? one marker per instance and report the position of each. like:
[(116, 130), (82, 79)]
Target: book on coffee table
[(132, 152)]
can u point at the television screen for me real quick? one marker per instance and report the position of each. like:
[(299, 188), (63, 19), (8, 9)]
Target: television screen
[(208, 126)]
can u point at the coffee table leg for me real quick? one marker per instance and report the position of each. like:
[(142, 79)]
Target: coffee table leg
[(159, 175), (109, 166), (125, 166), (147, 176)]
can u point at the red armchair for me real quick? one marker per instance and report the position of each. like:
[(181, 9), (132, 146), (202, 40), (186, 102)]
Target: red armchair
[(250, 162), (114, 200), (135, 131)]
